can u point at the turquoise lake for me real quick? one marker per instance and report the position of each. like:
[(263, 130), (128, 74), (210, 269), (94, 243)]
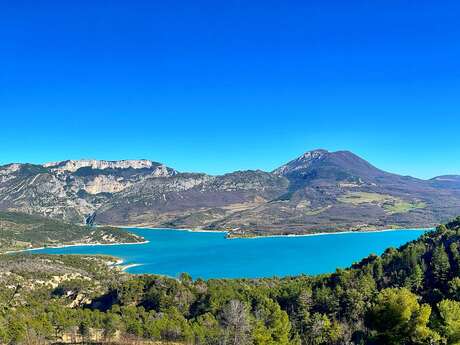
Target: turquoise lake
[(211, 255)]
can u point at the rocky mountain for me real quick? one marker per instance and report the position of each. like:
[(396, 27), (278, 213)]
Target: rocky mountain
[(191, 200), (323, 166), (71, 190), (74, 165), (318, 191), (339, 190)]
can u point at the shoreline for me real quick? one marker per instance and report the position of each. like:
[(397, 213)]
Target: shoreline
[(119, 264), (227, 232), (177, 229), (126, 267), (74, 245), (330, 233)]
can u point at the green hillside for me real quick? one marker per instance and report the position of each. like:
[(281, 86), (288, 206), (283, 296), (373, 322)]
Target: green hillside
[(22, 231), (409, 295)]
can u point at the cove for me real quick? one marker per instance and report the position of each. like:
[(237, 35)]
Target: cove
[(210, 255)]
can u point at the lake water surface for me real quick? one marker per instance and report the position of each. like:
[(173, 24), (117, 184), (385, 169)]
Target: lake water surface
[(211, 255)]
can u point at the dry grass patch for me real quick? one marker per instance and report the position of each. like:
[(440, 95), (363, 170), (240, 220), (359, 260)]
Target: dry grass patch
[(390, 204)]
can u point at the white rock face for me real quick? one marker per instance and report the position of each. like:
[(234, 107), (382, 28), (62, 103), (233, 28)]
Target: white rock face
[(106, 184), (7, 171), (57, 190), (162, 171), (302, 162), (74, 165)]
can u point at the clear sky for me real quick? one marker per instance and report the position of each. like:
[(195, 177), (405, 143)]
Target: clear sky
[(217, 86)]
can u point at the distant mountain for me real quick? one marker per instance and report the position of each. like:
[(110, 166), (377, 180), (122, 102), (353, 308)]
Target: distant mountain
[(101, 165), (446, 181), (339, 190), (71, 190), (191, 200), (318, 191), (330, 166)]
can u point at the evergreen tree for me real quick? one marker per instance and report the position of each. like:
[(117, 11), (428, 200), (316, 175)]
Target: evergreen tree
[(440, 265), (415, 281)]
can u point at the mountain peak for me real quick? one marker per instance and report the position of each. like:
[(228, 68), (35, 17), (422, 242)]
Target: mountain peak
[(314, 154), (302, 162), (330, 166)]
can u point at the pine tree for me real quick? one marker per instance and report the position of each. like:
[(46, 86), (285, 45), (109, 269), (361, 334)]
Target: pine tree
[(440, 265), (415, 280)]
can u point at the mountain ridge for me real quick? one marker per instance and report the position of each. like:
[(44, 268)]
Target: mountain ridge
[(149, 162), (74, 165), (317, 191)]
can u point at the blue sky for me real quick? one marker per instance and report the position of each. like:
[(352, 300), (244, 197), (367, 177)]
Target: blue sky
[(217, 86)]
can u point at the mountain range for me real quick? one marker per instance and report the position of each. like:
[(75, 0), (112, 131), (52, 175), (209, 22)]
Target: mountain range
[(318, 191)]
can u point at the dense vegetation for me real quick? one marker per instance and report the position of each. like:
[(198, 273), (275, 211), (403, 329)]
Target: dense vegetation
[(409, 295), (21, 231)]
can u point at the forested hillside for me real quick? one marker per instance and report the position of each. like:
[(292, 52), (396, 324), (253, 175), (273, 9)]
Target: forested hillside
[(20, 231), (409, 295)]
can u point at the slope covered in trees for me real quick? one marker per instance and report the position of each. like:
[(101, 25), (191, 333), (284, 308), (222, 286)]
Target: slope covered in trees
[(20, 231), (409, 295)]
